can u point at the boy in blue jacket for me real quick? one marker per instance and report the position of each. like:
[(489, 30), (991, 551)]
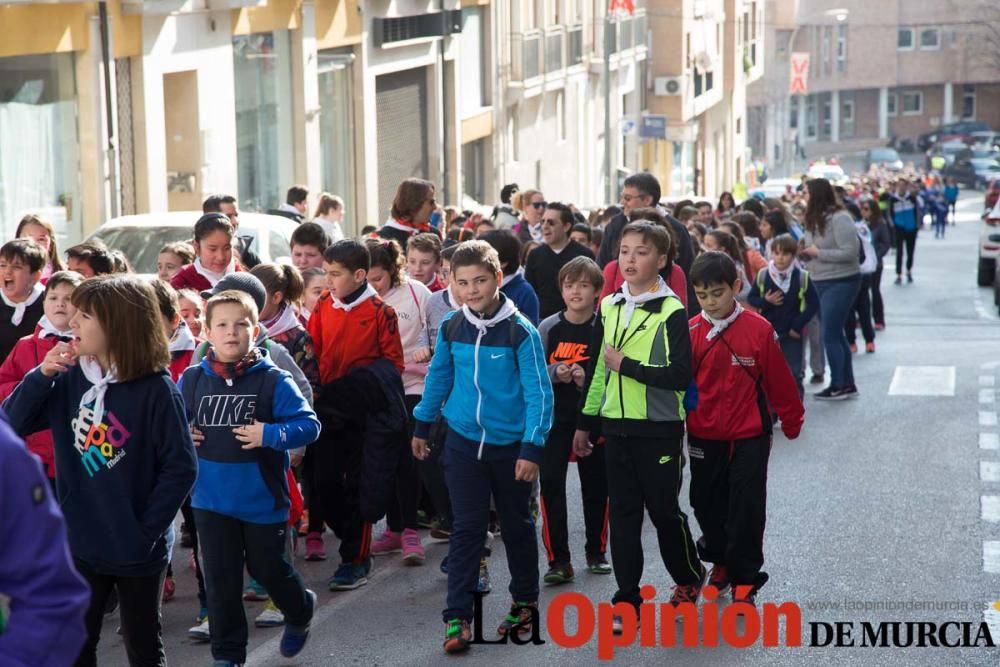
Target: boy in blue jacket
[(489, 372), (246, 414), (786, 297)]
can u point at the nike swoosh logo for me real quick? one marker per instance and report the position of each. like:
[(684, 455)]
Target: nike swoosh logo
[(496, 356), (666, 459)]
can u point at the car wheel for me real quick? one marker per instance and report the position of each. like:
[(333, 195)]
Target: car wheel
[(985, 276)]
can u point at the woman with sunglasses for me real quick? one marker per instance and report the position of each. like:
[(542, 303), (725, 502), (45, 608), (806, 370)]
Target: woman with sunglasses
[(531, 204), (412, 208), (882, 241)]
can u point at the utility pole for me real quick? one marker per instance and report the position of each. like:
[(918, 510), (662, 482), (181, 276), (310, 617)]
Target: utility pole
[(609, 25)]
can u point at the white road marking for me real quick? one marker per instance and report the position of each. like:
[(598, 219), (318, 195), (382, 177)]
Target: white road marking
[(923, 381), (989, 471), (991, 556), (987, 396), (987, 418), (987, 381), (990, 508), (989, 441)]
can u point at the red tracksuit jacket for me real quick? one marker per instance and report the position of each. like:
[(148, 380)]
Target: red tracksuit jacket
[(727, 394), (28, 353)]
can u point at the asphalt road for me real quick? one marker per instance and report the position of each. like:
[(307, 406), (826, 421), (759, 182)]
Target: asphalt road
[(881, 503)]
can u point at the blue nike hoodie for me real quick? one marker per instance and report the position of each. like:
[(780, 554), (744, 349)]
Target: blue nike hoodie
[(119, 482), (249, 485)]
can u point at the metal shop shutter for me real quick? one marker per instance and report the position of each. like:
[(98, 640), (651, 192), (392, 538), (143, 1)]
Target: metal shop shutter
[(401, 118)]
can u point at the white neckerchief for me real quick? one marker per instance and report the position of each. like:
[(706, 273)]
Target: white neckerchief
[(182, 339), (288, 208), (783, 279), (718, 326), (100, 381), (348, 307), (286, 320), (48, 330), (212, 277), (503, 312), (36, 291), (659, 292)]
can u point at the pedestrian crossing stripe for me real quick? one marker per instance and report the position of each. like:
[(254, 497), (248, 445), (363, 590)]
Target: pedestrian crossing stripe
[(923, 381)]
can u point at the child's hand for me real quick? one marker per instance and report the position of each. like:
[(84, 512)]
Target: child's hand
[(252, 435), (58, 360), (579, 375), (613, 358), (581, 444), (197, 436), (564, 373), (792, 333), (421, 355), (420, 450), (525, 471), (775, 297)]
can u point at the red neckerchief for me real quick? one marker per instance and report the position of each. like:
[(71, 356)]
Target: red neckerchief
[(231, 371)]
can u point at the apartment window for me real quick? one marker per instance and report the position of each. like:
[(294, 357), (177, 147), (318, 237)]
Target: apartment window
[(930, 39), (781, 41), (739, 124), (968, 102), (753, 19), (904, 39), (811, 117), (913, 104), (793, 112), (746, 27), (708, 81), (891, 102), (847, 118), (472, 62), (841, 47), (825, 50)]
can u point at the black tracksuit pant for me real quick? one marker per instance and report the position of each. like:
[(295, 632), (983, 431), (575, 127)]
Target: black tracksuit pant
[(337, 476), (226, 544), (644, 474), (594, 488), (729, 498)]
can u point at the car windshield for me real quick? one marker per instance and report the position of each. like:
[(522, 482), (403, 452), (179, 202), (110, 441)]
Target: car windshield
[(884, 155), (141, 244)]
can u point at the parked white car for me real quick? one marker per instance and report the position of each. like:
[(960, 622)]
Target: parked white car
[(141, 236)]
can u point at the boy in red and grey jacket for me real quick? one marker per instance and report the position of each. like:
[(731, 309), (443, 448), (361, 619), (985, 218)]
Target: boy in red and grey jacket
[(29, 351), (739, 372)]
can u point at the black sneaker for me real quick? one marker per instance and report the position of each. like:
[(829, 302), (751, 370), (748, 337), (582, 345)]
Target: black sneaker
[(850, 391), (898, 280), (598, 565), (559, 574), (817, 378), (909, 277), (832, 394)]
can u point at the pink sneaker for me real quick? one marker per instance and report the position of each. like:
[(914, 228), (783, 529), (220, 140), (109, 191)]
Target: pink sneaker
[(315, 549), (389, 543), (413, 549)]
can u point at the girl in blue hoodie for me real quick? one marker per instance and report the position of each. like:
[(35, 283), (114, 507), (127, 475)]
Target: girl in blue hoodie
[(124, 456)]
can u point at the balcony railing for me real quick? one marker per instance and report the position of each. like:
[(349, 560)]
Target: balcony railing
[(555, 57), (526, 55), (574, 36)]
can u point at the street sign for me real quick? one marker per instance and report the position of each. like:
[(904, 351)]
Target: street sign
[(653, 127), (628, 126), (799, 74)]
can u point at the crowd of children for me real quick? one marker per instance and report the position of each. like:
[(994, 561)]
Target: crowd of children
[(422, 377)]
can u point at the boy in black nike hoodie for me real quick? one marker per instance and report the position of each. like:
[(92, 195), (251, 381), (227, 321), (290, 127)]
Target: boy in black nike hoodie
[(567, 339)]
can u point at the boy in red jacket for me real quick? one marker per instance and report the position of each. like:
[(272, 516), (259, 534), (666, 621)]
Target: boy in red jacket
[(738, 372), (29, 351), (350, 327)]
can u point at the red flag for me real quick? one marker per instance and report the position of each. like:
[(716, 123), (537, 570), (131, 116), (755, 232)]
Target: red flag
[(622, 5)]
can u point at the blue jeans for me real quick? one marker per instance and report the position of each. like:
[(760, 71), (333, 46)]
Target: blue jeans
[(793, 351), (836, 298)]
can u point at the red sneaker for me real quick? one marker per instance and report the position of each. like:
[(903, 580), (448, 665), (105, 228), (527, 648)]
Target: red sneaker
[(719, 578), (870, 348), (169, 589)]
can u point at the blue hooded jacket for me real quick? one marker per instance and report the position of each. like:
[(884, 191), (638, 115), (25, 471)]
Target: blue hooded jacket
[(492, 379), (250, 485)]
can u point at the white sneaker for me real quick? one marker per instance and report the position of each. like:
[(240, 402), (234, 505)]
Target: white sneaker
[(269, 618), (200, 633)]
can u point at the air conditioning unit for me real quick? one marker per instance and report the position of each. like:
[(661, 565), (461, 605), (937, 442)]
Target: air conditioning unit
[(666, 86)]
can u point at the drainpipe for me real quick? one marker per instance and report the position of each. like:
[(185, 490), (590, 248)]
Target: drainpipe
[(109, 101)]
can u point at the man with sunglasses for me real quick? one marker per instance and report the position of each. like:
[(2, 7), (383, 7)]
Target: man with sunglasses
[(544, 263), (639, 191)]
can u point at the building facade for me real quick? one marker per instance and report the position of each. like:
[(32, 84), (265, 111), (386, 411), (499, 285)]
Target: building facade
[(704, 54), (877, 72)]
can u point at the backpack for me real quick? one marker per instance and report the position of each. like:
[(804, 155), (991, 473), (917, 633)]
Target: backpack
[(867, 259)]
